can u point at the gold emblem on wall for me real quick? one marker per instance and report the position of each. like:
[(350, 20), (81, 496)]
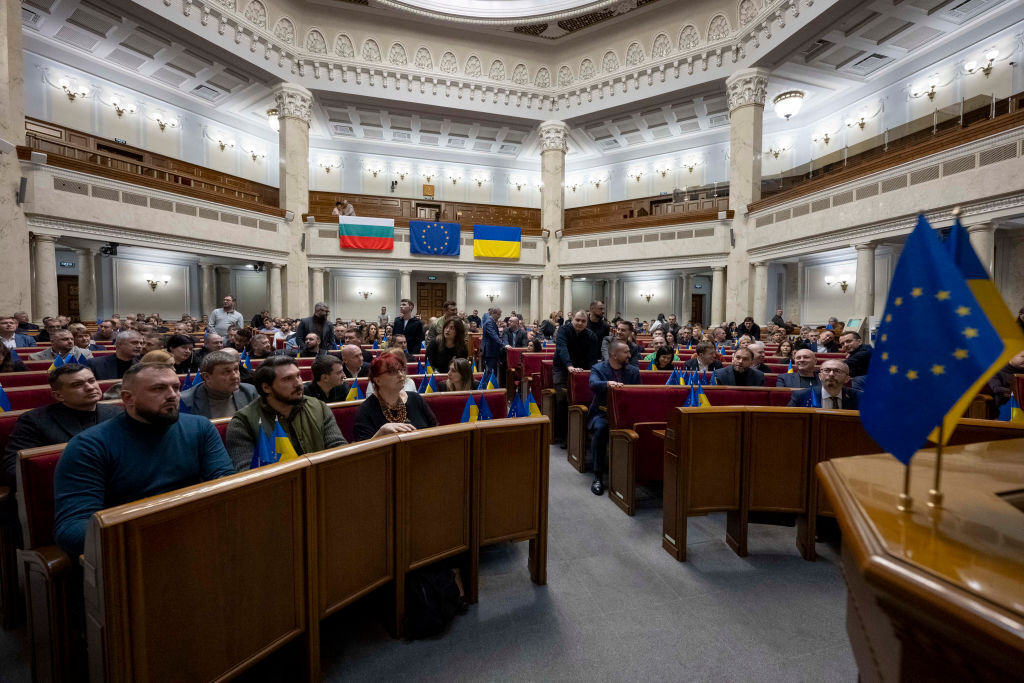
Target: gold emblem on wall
[(428, 191)]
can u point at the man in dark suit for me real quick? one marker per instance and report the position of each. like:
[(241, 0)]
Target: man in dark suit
[(24, 326), (704, 359), (515, 335), (740, 374), (858, 354), (491, 344), (409, 326), (805, 375), (77, 408), (614, 372), (319, 325), (832, 393), (354, 365), (127, 349), (826, 342)]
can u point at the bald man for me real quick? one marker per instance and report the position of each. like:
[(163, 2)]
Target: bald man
[(352, 359)]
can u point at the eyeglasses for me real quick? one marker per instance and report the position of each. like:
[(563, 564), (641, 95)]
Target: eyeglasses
[(829, 371)]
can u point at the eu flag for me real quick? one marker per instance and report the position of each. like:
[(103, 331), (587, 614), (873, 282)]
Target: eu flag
[(431, 237), (934, 342)]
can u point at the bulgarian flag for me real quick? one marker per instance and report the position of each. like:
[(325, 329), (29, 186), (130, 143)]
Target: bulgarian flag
[(361, 232)]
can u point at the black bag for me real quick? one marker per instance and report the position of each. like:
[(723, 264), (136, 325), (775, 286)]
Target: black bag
[(433, 597)]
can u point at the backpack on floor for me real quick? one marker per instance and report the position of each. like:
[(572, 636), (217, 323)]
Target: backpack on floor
[(433, 597)]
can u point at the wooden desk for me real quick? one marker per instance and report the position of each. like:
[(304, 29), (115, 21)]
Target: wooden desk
[(934, 594)]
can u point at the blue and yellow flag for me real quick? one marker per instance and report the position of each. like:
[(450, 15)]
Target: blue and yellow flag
[(432, 237), (471, 412), (789, 370), (517, 408), (533, 409), (355, 392), (993, 307), (375, 345), (419, 368), (485, 410), (5, 403), (487, 381), (702, 398), (934, 342), (1011, 412), (246, 361), (673, 379), (58, 362), (429, 369), (428, 385), (263, 453), (496, 241), (283, 448), (187, 382)]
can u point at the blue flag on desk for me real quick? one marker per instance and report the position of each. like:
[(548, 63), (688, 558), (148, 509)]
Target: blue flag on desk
[(432, 237), (934, 342)]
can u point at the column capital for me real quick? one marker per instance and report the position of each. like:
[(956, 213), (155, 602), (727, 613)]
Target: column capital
[(759, 264), (554, 135), (274, 266), (293, 101), (566, 276), (747, 87), (982, 227), (405, 272), (458, 273), (866, 246), (45, 238), (318, 270), (717, 269), (535, 277)]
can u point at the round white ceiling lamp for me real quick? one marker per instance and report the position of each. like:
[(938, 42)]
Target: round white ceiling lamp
[(787, 104), (273, 121)]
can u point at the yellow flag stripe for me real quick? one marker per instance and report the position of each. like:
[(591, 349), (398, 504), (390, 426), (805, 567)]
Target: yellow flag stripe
[(496, 249)]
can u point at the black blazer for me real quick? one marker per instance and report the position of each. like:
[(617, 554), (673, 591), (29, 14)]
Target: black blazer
[(794, 381), (105, 367), (364, 371), (727, 377), (859, 360), (802, 398), (691, 365), (413, 331)]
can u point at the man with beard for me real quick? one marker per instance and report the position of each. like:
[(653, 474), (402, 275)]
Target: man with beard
[(308, 422), (319, 325), (144, 452)]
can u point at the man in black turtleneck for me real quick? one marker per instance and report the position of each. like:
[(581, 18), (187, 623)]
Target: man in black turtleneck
[(77, 408)]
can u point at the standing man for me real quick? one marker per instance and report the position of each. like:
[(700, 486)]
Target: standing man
[(858, 354), (491, 345), (576, 347), (614, 372), (832, 392), (224, 317), (474, 317), (596, 322), (382, 319), (411, 327), (805, 375), (623, 332), (319, 325)]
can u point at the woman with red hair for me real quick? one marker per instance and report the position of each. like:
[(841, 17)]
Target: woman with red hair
[(392, 408)]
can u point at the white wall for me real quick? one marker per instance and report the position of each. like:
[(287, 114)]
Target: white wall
[(819, 301), (133, 295), (250, 290), (347, 303), (510, 290), (634, 306)]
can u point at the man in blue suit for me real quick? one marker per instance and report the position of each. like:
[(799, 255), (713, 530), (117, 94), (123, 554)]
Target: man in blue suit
[(491, 344), (9, 335), (614, 372), (832, 393)]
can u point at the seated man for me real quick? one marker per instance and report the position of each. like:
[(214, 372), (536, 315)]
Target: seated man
[(77, 408), (310, 347), (106, 331), (1002, 383), (24, 326), (622, 330), (397, 341), (740, 374), (614, 372), (354, 365), (260, 346), (9, 335), (328, 383), (826, 342), (805, 375), (127, 349), (831, 393), (212, 342), (62, 343), (704, 360), (152, 341), (308, 422), (858, 354), (50, 325), (221, 393), (148, 450), (757, 348)]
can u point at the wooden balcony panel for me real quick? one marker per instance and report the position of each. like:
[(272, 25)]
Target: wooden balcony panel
[(643, 222)]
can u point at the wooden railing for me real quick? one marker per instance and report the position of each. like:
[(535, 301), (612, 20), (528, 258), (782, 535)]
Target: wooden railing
[(645, 222), (78, 151), (636, 213)]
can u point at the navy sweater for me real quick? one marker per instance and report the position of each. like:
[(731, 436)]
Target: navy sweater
[(123, 460)]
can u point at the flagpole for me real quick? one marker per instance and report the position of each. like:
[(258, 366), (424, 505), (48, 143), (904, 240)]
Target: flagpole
[(935, 494), (906, 501)]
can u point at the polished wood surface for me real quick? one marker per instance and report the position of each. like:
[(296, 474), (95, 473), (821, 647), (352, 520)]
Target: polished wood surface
[(948, 583)]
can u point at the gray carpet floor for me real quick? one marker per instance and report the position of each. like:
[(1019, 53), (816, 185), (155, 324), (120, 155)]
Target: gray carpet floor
[(616, 607)]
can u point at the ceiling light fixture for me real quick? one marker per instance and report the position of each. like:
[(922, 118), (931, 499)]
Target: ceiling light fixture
[(273, 120), (788, 104)]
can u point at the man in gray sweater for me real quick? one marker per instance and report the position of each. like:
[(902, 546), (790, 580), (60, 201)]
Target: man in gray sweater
[(221, 393)]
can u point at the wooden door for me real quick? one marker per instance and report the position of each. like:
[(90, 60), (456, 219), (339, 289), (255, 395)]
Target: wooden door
[(430, 298), (697, 309), (67, 296)]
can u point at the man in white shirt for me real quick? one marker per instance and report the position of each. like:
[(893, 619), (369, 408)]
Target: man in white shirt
[(226, 316)]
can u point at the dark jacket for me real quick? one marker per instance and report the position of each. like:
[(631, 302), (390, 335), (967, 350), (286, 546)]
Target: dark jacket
[(600, 375), (105, 367), (859, 360), (578, 349), (198, 401), (601, 328), (727, 377), (491, 344), (802, 398), (413, 331), (336, 395), (548, 328), (693, 364), (754, 331), (516, 338), (324, 330), (793, 380), (364, 371)]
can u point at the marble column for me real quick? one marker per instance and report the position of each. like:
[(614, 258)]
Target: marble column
[(293, 104), (983, 239), (405, 290), (791, 309), (275, 290), (717, 296), (683, 304), (554, 144), (318, 286), (612, 305), (535, 306), (567, 296), (88, 310), (45, 264), (760, 304), (15, 257), (864, 287), (746, 91), (460, 290), (209, 291), (223, 285)]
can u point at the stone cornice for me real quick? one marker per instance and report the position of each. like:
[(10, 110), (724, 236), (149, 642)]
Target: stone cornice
[(346, 261), (666, 263), (482, 21)]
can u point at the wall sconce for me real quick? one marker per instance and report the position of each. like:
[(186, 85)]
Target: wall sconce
[(647, 295), (850, 123), (401, 172), (157, 281), (598, 178), (691, 164), (636, 173), (72, 90), (122, 107), (428, 173), (776, 150), (492, 295), (933, 82), (255, 153), (224, 144), (573, 185), (327, 164), (165, 120), (366, 293), (663, 167), (843, 281), (374, 167), (273, 121), (821, 137), (454, 176), (481, 178), (518, 181), (972, 67)]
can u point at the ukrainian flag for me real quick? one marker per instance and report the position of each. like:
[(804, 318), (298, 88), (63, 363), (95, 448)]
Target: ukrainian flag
[(355, 392), (282, 444), (1011, 412), (534, 410), (496, 241), (702, 398), (789, 370), (486, 382), (58, 362), (470, 413), (428, 385), (429, 369), (246, 361), (5, 403)]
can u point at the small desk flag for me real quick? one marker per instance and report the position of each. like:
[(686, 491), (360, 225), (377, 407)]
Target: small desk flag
[(355, 392), (471, 412), (282, 444)]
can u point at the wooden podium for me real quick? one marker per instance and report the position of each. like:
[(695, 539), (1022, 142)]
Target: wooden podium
[(934, 594)]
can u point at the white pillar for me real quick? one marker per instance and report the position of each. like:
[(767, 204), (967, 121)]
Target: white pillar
[(209, 288), (760, 294), (405, 291), (864, 287), (567, 296), (318, 285), (791, 310), (87, 307), (612, 305), (460, 290), (684, 298), (717, 296), (535, 307), (983, 239), (293, 104), (223, 285), (554, 144), (746, 91), (45, 264), (276, 309)]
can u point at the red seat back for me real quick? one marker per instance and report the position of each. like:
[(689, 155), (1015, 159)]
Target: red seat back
[(23, 398), (772, 379), (645, 409), (547, 373), (448, 405), (345, 416), (9, 380), (531, 360), (35, 495), (736, 396), (579, 388), (779, 396), (7, 422)]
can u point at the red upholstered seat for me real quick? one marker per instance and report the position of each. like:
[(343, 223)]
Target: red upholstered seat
[(9, 380), (736, 396), (36, 495), (778, 368), (645, 409), (7, 422), (772, 379), (547, 373), (22, 398), (779, 396), (345, 416), (579, 388)]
